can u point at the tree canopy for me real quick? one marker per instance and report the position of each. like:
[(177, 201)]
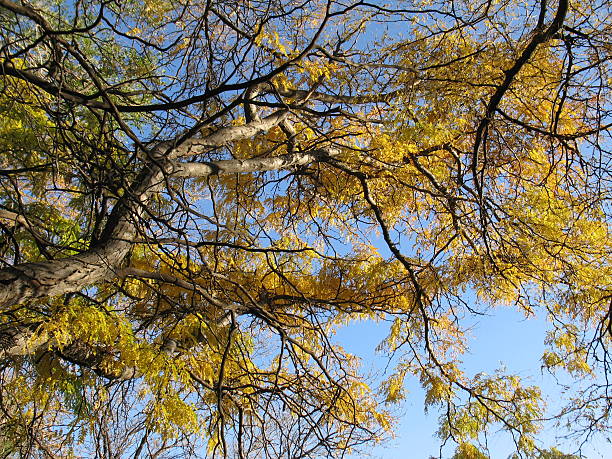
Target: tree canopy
[(196, 195)]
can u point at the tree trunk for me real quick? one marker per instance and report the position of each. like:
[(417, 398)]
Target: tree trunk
[(28, 281)]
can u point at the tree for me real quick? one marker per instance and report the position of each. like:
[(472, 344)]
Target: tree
[(196, 194)]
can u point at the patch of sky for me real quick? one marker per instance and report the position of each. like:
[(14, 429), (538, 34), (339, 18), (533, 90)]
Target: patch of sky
[(504, 339)]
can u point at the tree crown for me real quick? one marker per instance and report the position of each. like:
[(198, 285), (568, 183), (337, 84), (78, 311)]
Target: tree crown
[(195, 195)]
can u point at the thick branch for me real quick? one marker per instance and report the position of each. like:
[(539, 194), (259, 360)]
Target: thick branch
[(18, 339), (241, 166), (28, 281), (221, 137)]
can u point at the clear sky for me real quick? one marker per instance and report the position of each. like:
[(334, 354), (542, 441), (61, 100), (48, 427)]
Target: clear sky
[(503, 339)]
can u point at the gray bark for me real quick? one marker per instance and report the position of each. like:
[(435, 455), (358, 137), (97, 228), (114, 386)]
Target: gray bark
[(237, 166), (221, 137), (28, 281)]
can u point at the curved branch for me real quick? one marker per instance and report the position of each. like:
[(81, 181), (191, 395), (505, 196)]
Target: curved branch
[(340, 98), (540, 36)]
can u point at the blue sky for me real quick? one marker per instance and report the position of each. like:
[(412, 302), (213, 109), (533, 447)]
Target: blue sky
[(503, 339)]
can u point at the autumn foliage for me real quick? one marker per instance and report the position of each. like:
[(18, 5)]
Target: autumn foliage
[(196, 195)]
